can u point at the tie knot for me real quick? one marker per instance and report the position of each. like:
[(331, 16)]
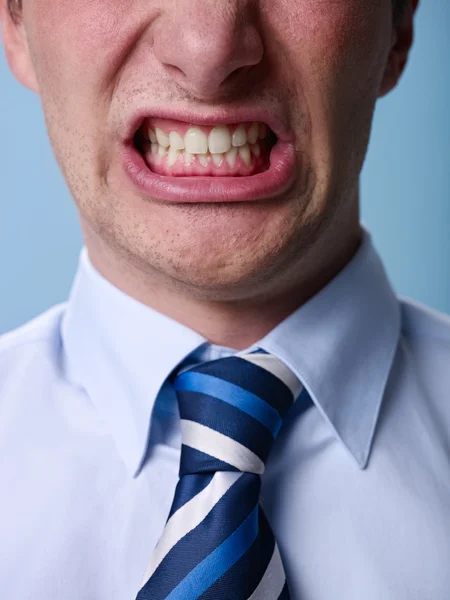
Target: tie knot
[(232, 410)]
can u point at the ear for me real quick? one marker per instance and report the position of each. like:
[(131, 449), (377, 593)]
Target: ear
[(16, 48), (402, 39)]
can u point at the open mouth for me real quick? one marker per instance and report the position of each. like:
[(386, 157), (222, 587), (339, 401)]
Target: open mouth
[(176, 149), (215, 159)]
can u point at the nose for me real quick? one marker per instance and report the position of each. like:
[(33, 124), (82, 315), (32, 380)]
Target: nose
[(205, 45)]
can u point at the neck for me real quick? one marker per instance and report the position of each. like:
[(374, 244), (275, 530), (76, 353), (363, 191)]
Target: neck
[(241, 319)]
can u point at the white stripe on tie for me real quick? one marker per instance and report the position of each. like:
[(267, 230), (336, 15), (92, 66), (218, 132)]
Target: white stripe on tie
[(274, 365), (191, 514), (200, 437), (272, 583)]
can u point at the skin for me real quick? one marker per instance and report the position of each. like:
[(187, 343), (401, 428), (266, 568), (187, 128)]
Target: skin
[(231, 271)]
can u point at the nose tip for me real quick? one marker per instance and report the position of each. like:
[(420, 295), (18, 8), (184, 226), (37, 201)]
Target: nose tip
[(203, 47)]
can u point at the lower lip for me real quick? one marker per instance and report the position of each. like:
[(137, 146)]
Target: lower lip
[(273, 182)]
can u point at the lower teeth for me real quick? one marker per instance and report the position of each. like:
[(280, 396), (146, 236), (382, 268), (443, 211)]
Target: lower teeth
[(246, 153)]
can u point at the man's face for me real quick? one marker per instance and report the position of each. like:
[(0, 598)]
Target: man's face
[(309, 69)]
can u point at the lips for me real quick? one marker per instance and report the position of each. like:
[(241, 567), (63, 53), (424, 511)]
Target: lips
[(247, 159)]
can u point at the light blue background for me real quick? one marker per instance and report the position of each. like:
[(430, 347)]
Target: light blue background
[(405, 186)]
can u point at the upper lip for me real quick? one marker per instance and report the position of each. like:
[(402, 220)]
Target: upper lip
[(210, 118)]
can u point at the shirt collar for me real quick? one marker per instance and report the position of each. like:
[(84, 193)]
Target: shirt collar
[(340, 344), (120, 351)]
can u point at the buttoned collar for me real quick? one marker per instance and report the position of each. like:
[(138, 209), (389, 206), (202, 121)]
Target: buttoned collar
[(340, 344), (120, 351)]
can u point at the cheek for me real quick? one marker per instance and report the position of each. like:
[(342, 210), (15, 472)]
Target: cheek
[(334, 47), (334, 27), (334, 52), (78, 48), (81, 43)]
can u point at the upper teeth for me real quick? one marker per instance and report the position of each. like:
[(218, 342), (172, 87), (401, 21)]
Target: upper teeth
[(253, 133), (163, 139), (219, 141), (196, 141), (176, 141), (239, 137)]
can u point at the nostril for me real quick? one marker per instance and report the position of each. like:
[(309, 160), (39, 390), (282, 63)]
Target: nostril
[(174, 71), (234, 78)]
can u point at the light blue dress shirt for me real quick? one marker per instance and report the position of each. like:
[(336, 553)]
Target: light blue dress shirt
[(357, 488)]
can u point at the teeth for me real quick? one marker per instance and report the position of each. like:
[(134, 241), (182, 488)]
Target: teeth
[(245, 154), (163, 139), (217, 159), (239, 137), (256, 149), (176, 141), (188, 158), (173, 156), (252, 133), (231, 156), (218, 145), (196, 141), (219, 140)]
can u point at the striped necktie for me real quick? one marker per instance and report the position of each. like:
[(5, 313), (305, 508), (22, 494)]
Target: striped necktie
[(217, 544)]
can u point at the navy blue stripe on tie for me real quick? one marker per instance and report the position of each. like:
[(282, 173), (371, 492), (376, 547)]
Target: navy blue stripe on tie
[(301, 405), (243, 578), (219, 561), (285, 595), (252, 378), (193, 485), (226, 419), (236, 396), (196, 461), (199, 543), (218, 545)]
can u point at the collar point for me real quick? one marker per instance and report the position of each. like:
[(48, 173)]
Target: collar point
[(361, 458)]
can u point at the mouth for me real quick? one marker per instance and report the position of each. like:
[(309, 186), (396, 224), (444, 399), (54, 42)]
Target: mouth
[(177, 149), (211, 161)]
